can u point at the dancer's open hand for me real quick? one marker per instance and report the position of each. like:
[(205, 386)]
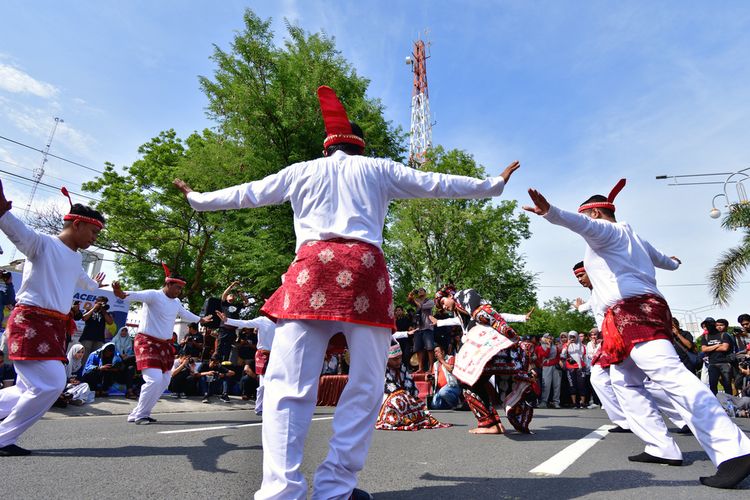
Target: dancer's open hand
[(541, 205), (509, 170), (182, 186), (5, 204), (676, 259), (117, 290)]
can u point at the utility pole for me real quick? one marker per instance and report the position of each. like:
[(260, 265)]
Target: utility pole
[(421, 127)]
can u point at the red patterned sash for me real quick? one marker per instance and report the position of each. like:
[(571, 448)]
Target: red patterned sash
[(336, 280), (261, 361), (35, 333), (633, 320), (151, 352)]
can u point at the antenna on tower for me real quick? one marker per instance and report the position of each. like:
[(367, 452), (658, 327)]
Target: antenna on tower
[(39, 171), (421, 126)]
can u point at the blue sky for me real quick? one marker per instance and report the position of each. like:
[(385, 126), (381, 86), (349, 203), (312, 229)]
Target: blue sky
[(583, 93)]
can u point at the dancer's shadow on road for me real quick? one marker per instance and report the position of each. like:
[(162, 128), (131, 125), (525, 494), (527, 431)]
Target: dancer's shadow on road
[(203, 457), (557, 487)]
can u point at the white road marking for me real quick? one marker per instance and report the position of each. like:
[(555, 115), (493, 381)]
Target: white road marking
[(219, 427), (565, 458)]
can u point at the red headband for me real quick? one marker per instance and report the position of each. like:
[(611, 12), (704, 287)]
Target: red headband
[(609, 204), (169, 279), (82, 218), (338, 126), (579, 271)]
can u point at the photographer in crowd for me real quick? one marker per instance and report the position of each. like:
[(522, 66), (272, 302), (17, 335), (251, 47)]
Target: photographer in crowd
[(103, 368), (185, 377), (215, 379), (96, 318)]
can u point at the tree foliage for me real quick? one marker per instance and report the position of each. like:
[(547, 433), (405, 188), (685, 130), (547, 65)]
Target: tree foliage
[(472, 243), (726, 273), (556, 316)]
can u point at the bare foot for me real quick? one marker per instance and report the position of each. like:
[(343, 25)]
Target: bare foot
[(495, 429)]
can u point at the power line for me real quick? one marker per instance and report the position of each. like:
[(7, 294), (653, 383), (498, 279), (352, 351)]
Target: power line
[(57, 188), (660, 286), (52, 155), (66, 181)]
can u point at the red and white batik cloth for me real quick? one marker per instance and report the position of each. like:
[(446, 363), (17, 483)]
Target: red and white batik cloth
[(478, 354), (261, 361), (631, 321), (151, 352), (35, 333), (336, 280), (403, 412)]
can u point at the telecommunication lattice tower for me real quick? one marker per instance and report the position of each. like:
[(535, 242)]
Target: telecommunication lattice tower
[(421, 125)]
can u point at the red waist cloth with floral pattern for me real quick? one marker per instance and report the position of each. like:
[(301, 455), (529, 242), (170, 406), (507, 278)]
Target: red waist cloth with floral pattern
[(151, 352), (261, 361), (35, 333), (631, 321), (335, 280)]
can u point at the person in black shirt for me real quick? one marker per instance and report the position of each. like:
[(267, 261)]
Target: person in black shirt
[(214, 379), (404, 323), (193, 341), (684, 346), (231, 308), (97, 318), (717, 346)]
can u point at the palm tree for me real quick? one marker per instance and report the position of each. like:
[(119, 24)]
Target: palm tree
[(725, 275)]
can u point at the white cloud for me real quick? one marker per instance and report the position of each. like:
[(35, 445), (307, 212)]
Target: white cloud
[(14, 80)]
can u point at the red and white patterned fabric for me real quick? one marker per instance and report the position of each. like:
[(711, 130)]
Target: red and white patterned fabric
[(336, 280), (151, 352), (630, 321), (35, 333), (261, 361)]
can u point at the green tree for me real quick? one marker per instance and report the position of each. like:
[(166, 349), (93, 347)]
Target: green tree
[(263, 98), (472, 243), (556, 316), (726, 274)]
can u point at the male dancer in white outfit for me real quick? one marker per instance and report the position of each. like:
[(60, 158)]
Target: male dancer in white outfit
[(602, 382), (38, 324), (338, 282), (266, 330), (637, 329), (154, 354)]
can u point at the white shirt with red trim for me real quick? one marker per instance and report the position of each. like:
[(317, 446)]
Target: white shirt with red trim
[(342, 196), (159, 313), (52, 270), (619, 263)]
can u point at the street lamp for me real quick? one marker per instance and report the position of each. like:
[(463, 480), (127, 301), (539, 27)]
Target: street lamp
[(715, 213)]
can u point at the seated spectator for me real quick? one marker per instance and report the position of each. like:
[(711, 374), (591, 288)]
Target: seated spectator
[(738, 406), (331, 365), (402, 410), (103, 368), (215, 379), (185, 377), (446, 387), (193, 341), (76, 392), (249, 381), (7, 373), (124, 346)]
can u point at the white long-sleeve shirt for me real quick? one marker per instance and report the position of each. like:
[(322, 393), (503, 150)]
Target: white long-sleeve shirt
[(52, 270), (266, 329), (159, 313), (619, 263), (342, 196), (596, 309), (455, 321)]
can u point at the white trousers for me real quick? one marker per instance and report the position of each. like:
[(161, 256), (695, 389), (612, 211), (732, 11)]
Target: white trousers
[(602, 384), (259, 395), (155, 383), (38, 386), (292, 379), (657, 360)]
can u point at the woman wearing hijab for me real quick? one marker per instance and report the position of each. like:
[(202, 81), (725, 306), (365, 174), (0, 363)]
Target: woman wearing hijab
[(76, 392), (102, 366), (124, 346)]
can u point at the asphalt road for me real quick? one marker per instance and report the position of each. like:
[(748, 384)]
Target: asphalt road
[(97, 455)]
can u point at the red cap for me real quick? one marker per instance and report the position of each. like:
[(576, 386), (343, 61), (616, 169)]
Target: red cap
[(338, 126), (609, 204)]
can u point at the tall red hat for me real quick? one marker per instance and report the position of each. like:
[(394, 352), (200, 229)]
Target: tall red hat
[(168, 276), (79, 217), (338, 126), (609, 204)]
